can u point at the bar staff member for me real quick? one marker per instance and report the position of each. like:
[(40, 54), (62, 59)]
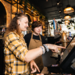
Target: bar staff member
[(35, 40)]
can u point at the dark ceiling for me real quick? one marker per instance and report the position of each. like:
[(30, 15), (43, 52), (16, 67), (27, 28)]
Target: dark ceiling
[(50, 8)]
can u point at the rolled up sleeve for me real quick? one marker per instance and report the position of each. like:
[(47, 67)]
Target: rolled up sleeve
[(16, 46)]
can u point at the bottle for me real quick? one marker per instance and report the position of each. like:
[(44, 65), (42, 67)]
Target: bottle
[(64, 37)]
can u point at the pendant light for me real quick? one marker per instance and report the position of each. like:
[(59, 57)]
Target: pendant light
[(68, 9), (46, 0), (67, 22), (67, 17)]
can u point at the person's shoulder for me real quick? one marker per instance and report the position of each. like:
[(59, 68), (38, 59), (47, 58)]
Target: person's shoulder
[(43, 39), (27, 35), (42, 36), (11, 35)]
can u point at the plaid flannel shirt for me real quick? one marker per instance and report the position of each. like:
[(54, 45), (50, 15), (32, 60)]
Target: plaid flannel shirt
[(15, 50)]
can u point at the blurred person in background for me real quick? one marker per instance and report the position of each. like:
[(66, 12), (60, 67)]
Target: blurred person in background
[(3, 31)]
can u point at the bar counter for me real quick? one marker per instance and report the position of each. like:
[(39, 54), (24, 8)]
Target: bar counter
[(47, 58), (50, 61)]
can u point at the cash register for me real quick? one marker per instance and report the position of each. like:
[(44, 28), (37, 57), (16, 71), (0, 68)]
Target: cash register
[(67, 60)]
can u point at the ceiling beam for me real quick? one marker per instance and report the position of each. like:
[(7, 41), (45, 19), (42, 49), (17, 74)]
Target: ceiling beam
[(52, 11), (50, 7)]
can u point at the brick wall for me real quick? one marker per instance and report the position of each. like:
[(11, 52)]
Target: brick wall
[(8, 11), (14, 9)]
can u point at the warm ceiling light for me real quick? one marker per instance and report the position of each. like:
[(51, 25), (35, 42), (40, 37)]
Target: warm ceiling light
[(68, 9), (67, 21), (59, 11), (46, 0), (67, 17), (57, 3)]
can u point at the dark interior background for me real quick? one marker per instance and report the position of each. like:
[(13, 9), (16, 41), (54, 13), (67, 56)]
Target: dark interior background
[(50, 8)]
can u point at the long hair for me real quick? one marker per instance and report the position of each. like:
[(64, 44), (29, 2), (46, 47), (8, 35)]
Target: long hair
[(13, 26)]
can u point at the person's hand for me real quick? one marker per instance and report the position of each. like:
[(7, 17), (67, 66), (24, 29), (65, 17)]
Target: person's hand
[(54, 48), (34, 67), (73, 43)]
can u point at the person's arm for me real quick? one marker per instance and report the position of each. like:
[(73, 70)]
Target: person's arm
[(20, 51), (33, 53)]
